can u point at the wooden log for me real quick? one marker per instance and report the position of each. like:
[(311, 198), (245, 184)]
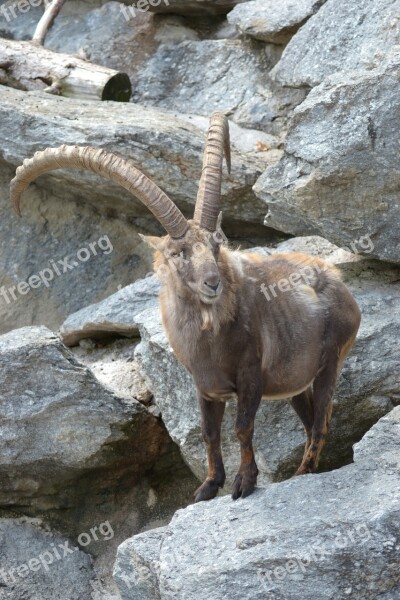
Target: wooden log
[(27, 66)]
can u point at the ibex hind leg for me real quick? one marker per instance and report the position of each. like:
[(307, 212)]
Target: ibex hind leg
[(321, 398), (303, 404), (323, 389)]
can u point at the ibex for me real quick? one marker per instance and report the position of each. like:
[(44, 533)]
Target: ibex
[(221, 326)]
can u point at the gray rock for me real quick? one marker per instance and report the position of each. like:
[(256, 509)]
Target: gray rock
[(41, 565), (342, 36), (339, 175), (142, 579), (168, 149), (270, 21), (333, 535), (114, 367), (114, 315), (64, 437), (52, 229), (198, 77), (368, 388), (381, 440), (317, 246), (181, 7)]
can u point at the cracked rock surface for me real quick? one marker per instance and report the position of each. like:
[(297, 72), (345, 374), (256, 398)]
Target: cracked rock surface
[(333, 535)]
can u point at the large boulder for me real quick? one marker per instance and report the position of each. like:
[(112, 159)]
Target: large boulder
[(342, 36), (82, 443), (333, 535), (114, 315), (339, 175), (63, 435), (231, 75), (367, 389), (270, 21), (168, 149), (52, 230)]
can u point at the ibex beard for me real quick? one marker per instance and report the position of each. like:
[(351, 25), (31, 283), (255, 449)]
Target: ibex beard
[(218, 322)]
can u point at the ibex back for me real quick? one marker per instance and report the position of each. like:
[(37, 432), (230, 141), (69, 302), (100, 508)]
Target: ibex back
[(245, 326)]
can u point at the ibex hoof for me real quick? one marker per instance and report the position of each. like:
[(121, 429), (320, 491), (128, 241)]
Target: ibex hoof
[(207, 491), (243, 486), (304, 470)]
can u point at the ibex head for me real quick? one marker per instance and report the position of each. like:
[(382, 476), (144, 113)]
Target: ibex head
[(189, 252), (191, 262)]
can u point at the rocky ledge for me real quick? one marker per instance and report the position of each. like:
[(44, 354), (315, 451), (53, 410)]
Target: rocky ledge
[(333, 535)]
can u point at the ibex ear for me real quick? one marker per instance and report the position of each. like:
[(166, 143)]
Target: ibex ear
[(152, 241), (219, 235)]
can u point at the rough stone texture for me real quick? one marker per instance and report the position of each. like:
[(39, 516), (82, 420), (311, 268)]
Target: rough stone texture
[(114, 315), (272, 21), (339, 176), (114, 366), (79, 450), (316, 246), (54, 227), (334, 535), (228, 75), (23, 541), (368, 388), (342, 36), (137, 565), (168, 150), (59, 424)]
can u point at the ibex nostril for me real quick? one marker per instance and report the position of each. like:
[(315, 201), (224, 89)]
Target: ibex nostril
[(212, 284)]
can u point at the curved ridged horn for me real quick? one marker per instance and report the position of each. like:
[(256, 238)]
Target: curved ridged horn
[(208, 203), (111, 167)]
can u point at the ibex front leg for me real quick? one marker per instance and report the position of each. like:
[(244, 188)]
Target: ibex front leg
[(249, 391), (212, 412)]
